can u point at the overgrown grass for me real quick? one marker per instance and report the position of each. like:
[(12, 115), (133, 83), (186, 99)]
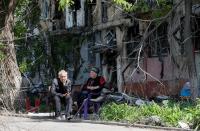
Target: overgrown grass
[(169, 111), (120, 112)]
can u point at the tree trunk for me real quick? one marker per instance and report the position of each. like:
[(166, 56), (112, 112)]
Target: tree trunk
[(10, 76), (119, 61), (189, 48), (175, 36)]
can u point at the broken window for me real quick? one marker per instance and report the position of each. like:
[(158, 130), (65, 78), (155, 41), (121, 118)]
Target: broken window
[(77, 4), (196, 29), (132, 47), (58, 13), (158, 42), (132, 40), (58, 17), (91, 51), (107, 44), (110, 38), (45, 9), (92, 2), (104, 12), (89, 8), (196, 37)]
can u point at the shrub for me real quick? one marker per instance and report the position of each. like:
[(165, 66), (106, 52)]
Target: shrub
[(170, 112)]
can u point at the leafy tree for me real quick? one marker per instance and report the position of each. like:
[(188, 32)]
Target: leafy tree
[(10, 76), (138, 5)]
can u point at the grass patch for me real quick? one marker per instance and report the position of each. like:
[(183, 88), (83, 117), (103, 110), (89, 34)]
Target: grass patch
[(170, 112)]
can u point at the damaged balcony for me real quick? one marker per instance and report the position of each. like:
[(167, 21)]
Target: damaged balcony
[(57, 21), (101, 48), (81, 18), (108, 44)]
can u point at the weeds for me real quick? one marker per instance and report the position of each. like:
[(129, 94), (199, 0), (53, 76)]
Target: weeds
[(170, 112)]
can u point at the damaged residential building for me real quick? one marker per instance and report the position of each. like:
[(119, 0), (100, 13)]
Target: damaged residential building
[(113, 40)]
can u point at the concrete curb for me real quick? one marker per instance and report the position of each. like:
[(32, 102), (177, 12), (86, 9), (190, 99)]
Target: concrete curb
[(134, 125), (97, 122)]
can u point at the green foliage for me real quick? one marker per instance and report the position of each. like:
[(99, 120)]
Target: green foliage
[(193, 115), (2, 56), (65, 3), (43, 107), (21, 8), (170, 112), (62, 47), (29, 55), (27, 11), (122, 112), (140, 6), (125, 5), (163, 9), (20, 29), (23, 67)]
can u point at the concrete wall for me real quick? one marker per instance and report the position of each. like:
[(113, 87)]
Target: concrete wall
[(69, 18), (83, 74), (154, 67), (45, 9), (149, 87), (81, 15)]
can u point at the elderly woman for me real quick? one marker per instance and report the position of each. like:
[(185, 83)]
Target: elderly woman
[(93, 86), (61, 90)]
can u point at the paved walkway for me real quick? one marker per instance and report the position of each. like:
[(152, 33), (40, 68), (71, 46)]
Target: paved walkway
[(28, 124)]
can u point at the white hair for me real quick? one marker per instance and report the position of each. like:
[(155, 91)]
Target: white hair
[(62, 72)]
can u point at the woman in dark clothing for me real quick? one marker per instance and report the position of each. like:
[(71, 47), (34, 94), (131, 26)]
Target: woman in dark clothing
[(92, 87)]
